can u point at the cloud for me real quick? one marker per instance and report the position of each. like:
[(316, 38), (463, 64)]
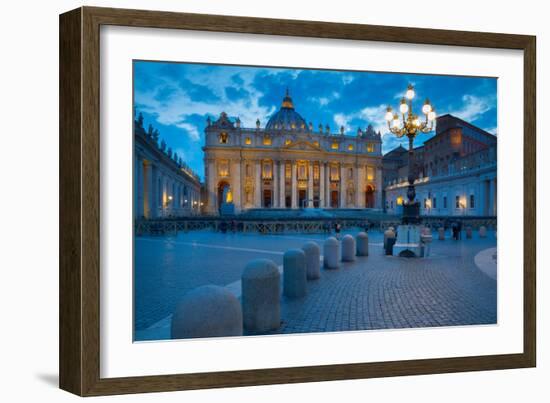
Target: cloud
[(473, 107), (373, 115), (192, 130), (347, 79), (174, 104)]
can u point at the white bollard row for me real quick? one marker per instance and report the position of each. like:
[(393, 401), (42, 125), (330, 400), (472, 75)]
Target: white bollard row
[(348, 248), (441, 233), (207, 311), (294, 273), (362, 244), (313, 264), (331, 254), (261, 296)]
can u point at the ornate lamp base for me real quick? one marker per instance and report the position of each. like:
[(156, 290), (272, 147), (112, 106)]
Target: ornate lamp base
[(411, 213)]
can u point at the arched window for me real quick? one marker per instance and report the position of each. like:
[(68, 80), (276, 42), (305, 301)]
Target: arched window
[(224, 138)]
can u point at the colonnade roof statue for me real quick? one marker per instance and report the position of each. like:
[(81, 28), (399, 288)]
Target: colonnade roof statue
[(288, 120)]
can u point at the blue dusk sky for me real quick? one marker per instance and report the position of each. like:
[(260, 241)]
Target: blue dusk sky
[(176, 98)]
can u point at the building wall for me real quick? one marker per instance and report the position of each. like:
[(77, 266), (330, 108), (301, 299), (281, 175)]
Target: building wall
[(456, 171), (163, 187), (469, 192)]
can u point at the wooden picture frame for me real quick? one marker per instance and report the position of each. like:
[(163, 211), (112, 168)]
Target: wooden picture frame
[(80, 199)]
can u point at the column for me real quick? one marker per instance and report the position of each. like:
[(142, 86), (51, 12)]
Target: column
[(242, 182), (322, 184), (357, 184), (211, 187), (310, 184), (275, 185), (327, 185), (361, 185), (148, 183), (282, 179), (258, 185), (138, 194), (154, 192), (378, 202), (293, 202), (342, 186), (236, 184)]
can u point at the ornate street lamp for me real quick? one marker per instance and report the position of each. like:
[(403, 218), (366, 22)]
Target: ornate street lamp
[(410, 125)]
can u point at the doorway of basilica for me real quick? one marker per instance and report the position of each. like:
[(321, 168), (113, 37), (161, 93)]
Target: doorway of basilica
[(369, 197), (267, 198), (334, 199), (302, 198), (221, 188)]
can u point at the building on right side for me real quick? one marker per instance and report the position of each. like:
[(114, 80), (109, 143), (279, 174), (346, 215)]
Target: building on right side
[(456, 172)]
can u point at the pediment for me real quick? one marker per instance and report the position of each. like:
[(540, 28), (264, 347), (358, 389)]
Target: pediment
[(302, 145)]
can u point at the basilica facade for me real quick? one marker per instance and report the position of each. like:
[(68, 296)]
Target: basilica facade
[(289, 164)]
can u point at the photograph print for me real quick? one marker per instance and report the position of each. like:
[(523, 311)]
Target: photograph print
[(273, 201)]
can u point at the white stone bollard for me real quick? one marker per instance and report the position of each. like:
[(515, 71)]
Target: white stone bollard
[(362, 244), (313, 265), (441, 233), (483, 231), (348, 248), (468, 232), (331, 253), (294, 273), (426, 240), (389, 233), (261, 296), (207, 311)]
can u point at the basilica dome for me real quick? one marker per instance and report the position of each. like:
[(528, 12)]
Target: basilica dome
[(286, 118)]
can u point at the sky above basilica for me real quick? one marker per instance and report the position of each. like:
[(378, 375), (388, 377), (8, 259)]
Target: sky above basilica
[(176, 98)]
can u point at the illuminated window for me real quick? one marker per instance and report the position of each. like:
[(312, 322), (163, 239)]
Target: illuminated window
[(267, 170), (224, 137), (334, 173), (302, 171), (370, 147), (316, 172), (316, 143), (334, 146), (293, 125), (350, 147), (370, 173), (288, 171), (287, 142), (399, 201), (223, 168), (267, 141), (248, 141)]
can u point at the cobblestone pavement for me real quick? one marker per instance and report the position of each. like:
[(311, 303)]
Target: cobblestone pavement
[(382, 292), (166, 268), (375, 292)]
